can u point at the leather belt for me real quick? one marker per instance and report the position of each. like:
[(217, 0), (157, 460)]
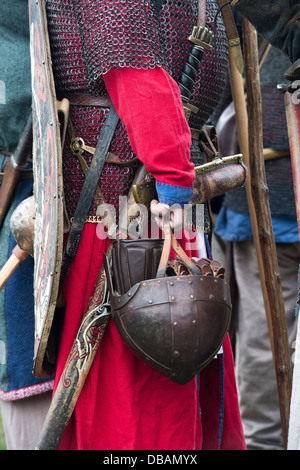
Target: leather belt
[(86, 100)]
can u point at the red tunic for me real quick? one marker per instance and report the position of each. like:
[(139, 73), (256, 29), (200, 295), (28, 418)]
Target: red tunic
[(124, 404)]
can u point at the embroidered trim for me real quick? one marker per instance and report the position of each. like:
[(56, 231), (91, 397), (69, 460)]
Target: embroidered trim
[(27, 391), (92, 219)]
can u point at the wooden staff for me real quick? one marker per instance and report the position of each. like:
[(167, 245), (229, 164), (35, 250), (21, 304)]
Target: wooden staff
[(238, 95), (257, 194)]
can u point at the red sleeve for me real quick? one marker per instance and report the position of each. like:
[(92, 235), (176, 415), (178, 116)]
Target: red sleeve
[(149, 104)]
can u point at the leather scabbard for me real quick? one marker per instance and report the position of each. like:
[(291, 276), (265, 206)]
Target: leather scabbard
[(232, 35)]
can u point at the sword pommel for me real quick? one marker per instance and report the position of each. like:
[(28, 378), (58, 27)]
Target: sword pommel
[(202, 37)]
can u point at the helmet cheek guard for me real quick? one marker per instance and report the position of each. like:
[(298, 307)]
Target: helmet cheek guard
[(175, 324)]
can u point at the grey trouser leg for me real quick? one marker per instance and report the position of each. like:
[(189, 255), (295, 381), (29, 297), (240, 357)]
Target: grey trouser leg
[(276, 21), (256, 378), (23, 420)]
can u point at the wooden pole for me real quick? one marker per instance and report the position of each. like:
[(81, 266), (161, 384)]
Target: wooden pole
[(238, 95), (17, 257), (251, 146), (266, 241)]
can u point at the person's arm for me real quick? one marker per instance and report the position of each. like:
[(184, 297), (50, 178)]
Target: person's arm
[(149, 104), (277, 21)]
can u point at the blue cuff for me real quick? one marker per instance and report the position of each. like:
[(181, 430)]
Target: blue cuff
[(171, 194)]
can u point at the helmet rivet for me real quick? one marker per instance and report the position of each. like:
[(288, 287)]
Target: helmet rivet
[(175, 323), (173, 297), (211, 297), (191, 296), (144, 284), (150, 301), (171, 283), (176, 353), (129, 294)]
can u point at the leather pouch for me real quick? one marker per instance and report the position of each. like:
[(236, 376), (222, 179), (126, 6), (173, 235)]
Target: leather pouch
[(176, 323), (134, 261)]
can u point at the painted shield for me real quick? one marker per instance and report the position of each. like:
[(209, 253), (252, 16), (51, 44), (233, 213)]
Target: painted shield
[(48, 184)]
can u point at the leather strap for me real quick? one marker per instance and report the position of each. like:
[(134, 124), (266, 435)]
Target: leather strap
[(88, 191), (170, 241), (161, 271)]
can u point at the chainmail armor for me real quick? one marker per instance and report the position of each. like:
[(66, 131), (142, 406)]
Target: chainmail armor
[(87, 39)]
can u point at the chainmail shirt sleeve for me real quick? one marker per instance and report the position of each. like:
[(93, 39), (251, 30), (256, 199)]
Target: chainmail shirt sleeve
[(119, 34)]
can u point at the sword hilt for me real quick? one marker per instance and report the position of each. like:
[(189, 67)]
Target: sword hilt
[(202, 40)]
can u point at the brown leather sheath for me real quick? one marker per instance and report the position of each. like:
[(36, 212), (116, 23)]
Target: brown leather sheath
[(232, 34), (228, 19)]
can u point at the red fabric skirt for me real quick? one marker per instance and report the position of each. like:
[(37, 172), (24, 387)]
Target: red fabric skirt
[(126, 405)]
